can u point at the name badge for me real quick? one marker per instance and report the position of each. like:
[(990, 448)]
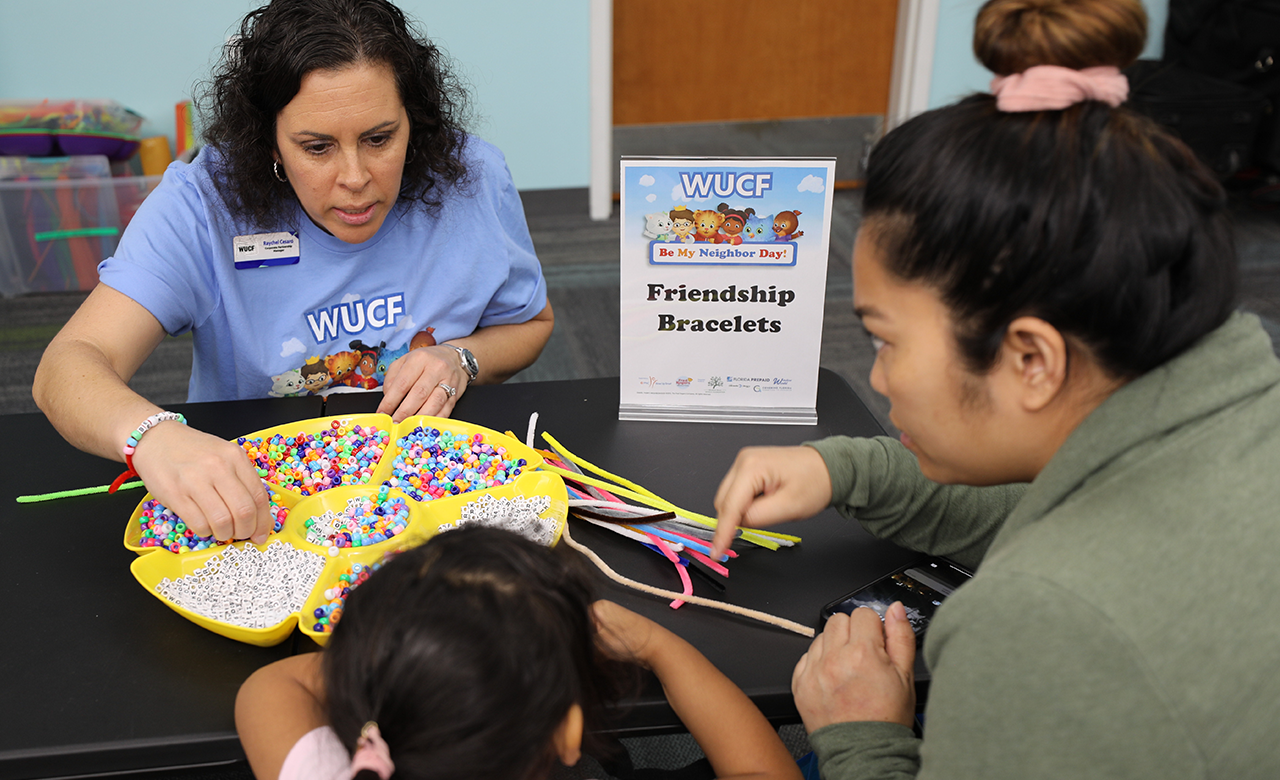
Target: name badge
[(265, 249)]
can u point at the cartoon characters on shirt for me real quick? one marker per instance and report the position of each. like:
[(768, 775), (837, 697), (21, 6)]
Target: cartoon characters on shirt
[(725, 225), (360, 365)]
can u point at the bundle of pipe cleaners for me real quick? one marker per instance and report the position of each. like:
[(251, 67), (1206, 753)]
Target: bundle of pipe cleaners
[(681, 536)]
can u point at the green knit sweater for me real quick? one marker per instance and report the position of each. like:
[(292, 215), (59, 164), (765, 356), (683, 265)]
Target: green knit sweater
[(1124, 621)]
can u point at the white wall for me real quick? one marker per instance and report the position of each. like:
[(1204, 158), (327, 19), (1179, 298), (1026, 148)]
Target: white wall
[(956, 72), (526, 64)]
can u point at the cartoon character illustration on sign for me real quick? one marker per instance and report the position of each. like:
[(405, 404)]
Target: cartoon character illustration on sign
[(340, 365), (708, 224), (286, 384), (657, 226), (385, 358), (785, 224), (758, 228), (682, 224), (315, 377), (734, 222), (423, 338), (366, 365)]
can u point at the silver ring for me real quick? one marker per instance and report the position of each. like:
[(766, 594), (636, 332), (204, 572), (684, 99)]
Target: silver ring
[(451, 391)]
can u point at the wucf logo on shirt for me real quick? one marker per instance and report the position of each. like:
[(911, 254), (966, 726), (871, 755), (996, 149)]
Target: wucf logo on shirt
[(353, 317)]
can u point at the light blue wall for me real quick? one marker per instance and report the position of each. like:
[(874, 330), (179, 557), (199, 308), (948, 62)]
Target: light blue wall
[(526, 64), (955, 71)]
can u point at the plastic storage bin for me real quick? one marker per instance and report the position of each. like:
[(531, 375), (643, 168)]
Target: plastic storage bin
[(55, 231), (51, 127)]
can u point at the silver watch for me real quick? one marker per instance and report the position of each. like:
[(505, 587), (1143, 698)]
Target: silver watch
[(469, 363)]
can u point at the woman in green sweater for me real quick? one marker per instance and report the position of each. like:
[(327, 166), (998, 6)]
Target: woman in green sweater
[(1049, 281)]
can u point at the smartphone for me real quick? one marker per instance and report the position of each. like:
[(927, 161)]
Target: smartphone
[(921, 587)]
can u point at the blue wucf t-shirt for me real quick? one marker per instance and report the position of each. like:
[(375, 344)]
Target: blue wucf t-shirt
[(340, 315)]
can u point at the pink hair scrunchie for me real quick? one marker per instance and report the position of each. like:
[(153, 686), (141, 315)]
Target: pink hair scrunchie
[(1053, 88), (372, 753)]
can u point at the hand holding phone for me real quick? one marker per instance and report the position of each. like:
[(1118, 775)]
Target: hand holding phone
[(921, 587), (858, 669)]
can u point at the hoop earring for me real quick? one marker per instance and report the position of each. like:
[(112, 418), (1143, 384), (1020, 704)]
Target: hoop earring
[(275, 168)]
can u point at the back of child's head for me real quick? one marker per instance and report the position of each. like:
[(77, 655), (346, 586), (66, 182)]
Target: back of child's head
[(468, 652), (1091, 217)]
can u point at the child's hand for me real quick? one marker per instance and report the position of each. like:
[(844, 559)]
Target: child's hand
[(624, 635)]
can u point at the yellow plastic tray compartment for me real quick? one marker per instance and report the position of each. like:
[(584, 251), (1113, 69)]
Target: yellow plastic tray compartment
[(515, 449), (133, 531), (334, 569), (448, 510), (150, 570), (335, 500), (320, 424)]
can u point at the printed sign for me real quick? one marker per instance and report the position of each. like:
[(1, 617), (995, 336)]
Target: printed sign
[(723, 280)]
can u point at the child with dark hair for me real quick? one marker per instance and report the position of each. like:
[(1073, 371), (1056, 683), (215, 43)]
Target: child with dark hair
[(1049, 282), (481, 655)]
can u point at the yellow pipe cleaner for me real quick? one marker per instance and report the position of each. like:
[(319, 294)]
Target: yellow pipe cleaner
[(703, 519)]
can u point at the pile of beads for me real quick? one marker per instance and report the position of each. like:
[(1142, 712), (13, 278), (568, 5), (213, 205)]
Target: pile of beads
[(311, 462), (327, 615), (366, 520), (162, 528), (518, 514), (246, 587), (432, 463)]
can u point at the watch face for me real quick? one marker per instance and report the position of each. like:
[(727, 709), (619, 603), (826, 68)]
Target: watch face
[(469, 360)]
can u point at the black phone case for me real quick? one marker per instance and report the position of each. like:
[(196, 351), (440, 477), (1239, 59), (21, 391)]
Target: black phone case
[(920, 586)]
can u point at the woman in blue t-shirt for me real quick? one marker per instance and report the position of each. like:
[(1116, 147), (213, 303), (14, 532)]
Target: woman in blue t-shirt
[(340, 231)]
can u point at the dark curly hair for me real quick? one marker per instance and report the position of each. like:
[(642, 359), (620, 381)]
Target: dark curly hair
[(262, 69), (468, 652)]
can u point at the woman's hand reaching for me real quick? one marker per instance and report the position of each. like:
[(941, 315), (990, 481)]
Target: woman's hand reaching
[(769, 485), (206, 481), (428, 380)]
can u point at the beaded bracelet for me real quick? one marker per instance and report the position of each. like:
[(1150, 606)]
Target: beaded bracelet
[(147, 425), (131, 444)]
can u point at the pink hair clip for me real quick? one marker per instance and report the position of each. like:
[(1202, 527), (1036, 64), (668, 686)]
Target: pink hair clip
[(372, 753), (1053, 88)]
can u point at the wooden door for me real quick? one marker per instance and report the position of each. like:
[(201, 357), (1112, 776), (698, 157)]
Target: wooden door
[(680, 61)]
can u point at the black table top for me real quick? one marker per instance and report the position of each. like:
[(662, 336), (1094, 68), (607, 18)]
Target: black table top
[(100, 676)]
